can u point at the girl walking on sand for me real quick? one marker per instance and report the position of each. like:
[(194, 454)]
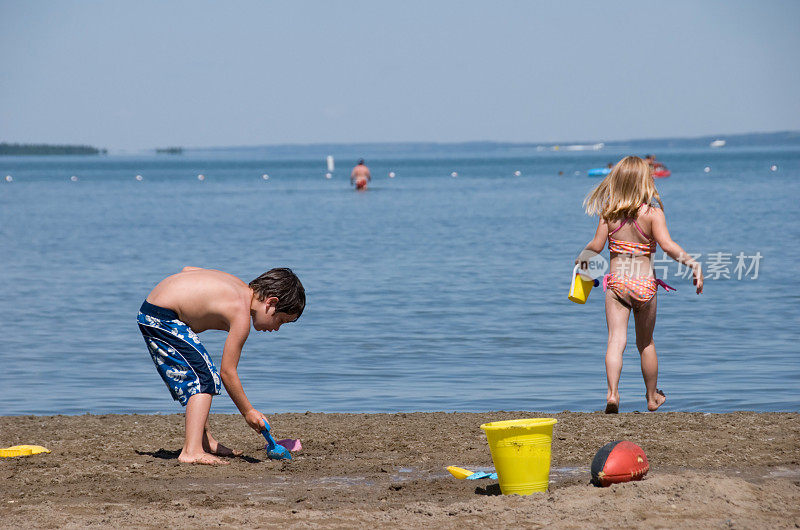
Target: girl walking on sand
[(625, 202)]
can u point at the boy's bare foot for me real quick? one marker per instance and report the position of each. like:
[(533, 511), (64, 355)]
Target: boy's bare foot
[(216, 448), (658, 399), (211, 445), (201, 458)]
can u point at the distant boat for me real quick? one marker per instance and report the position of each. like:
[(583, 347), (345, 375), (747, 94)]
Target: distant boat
[(579, 147), (598, 172), (718, 143), (661, 173)]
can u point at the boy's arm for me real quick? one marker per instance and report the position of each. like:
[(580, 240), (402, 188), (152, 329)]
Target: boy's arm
[(237, 335)]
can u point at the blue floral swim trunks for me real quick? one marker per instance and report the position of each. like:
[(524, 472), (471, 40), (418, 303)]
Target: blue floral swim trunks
[(180, 357)]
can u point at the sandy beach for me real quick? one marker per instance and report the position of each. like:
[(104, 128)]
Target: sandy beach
[(738, 470)]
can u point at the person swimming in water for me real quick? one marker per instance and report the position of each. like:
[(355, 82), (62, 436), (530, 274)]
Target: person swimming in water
[(360, 175), (653, 163)]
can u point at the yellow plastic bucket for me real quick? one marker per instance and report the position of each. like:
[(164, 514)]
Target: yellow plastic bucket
[(580, 288), (521, 453)]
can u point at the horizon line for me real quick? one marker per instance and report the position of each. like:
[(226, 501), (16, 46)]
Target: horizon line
[(485, 142)]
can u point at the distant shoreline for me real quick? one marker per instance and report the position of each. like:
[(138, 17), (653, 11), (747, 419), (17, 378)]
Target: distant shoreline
[(777, 138), (7, 149), (732, 140)]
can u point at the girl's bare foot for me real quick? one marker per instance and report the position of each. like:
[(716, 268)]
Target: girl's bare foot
[(612, 402), (201, 458), (658, 399)]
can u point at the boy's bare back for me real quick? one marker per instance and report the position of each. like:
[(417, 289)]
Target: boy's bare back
[(204, 298), (192, 301)]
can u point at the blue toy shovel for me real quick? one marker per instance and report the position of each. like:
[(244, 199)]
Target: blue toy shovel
[(274, 451), (482, 474)]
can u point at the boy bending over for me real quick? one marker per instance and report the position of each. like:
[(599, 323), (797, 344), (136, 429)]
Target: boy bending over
[(193, 301)]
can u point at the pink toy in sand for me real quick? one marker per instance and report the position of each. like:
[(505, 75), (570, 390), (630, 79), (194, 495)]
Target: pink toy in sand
[(291, 444)]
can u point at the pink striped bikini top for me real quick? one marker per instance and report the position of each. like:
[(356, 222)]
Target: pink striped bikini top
[(620, 246)]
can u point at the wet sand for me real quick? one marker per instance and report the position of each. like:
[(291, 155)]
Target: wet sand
[(738, 470)]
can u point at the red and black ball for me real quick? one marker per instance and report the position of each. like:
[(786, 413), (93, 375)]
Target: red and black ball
[(619, 461)]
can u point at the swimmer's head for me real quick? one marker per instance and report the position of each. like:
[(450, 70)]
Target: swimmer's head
[(360, 161)]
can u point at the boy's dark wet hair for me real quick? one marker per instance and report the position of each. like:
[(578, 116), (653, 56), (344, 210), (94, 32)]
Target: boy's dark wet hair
[(284, 285)]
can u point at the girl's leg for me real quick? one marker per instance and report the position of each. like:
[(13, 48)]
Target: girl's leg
[(645, 321), (196, 417), (617, 314)]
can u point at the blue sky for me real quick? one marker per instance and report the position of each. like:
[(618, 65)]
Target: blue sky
[(141, 74)]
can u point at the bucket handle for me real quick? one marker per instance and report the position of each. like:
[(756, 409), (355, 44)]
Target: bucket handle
[(595, 281)]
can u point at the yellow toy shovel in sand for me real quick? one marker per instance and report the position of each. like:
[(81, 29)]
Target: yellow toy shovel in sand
[(461, 473), (22, 450)]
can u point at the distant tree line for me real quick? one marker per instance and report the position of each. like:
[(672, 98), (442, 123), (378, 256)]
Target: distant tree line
[(45, 149)]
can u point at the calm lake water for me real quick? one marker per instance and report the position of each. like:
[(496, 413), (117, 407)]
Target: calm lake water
[(426, 292)]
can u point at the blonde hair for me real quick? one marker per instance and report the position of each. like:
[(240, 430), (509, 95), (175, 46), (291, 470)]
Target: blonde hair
[(619, 196)]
